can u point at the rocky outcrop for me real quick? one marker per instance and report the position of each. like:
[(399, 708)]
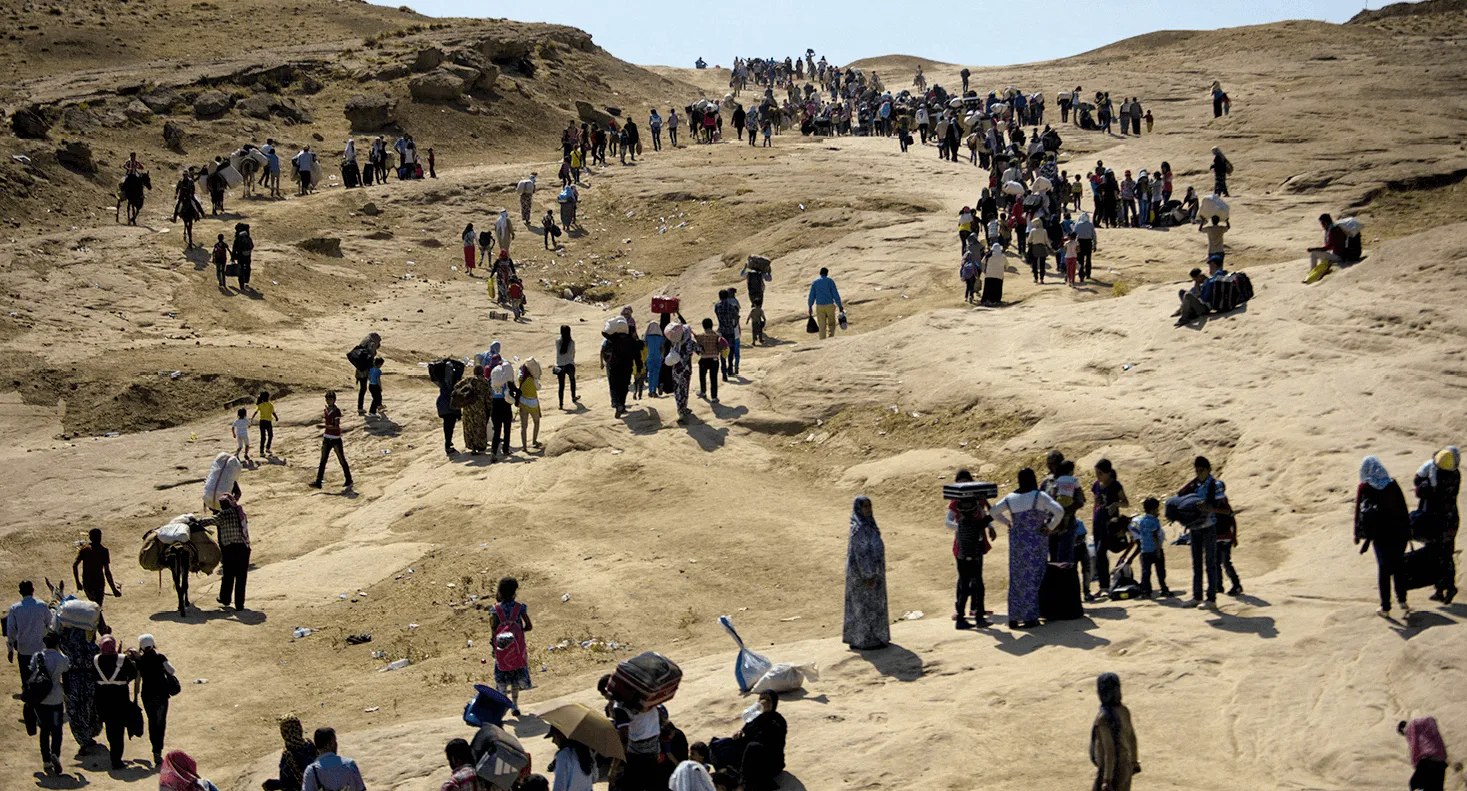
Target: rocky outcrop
[(77, 156), (173, 136), (137, 112), (160, 101), (439, 86), (592, 114), (428, 59), (263, 105), (370, 113), (212, 104), (256, 106), (321, 245), (30, 123), (78, 119)]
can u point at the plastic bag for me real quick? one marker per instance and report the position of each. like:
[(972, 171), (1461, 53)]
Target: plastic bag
[(811, 326), (749, 667), (786, 678)]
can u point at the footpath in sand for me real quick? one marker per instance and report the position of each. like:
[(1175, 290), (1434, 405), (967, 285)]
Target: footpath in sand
[(655, 528)]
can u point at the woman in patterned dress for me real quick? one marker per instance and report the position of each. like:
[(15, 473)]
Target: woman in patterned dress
[(866, 624), (1030, 515)]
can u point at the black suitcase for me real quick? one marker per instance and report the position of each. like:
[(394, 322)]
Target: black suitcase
[(1059, 593), (1422, 568)]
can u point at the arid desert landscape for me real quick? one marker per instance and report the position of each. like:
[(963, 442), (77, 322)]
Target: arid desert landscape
[(123, 363)]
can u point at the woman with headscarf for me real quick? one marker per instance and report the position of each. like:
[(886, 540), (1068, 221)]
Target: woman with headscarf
[(866, 624), (573, 765), (181, 773), (1428, 753), (1112, 740), (157, 686), (503, 230), (653, 342), (681, 355), (1437, 485), (471, 397), (621, 359), (1030, 515), (297, 755), (1381, 519), (502, 395), (115, 673), (80, 685), (469, 252)]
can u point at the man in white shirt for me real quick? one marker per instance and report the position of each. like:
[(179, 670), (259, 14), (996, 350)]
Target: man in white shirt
[(304, 163)]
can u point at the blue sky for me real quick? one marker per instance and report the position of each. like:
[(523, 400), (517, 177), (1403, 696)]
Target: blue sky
[(676, 32)]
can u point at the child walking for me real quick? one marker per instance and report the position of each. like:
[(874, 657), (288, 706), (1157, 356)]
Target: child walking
[(241, 431), (1072, 257), (509, 621), (529, 401), (374, 386), (265, 412), (331, 441), (1147, 532)]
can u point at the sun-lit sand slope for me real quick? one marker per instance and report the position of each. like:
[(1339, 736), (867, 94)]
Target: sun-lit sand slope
[(654, 528)]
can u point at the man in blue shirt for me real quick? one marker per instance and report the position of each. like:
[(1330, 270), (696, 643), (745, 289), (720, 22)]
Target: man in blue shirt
[(26, 624), (823, 303), (331, 772)]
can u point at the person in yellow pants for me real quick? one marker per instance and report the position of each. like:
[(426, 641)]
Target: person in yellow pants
[(823, 302)]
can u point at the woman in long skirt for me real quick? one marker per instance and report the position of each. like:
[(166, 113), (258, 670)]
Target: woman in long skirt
[(80, 686), (1030, 514), (471, 395), (866, 623), (681, 340)]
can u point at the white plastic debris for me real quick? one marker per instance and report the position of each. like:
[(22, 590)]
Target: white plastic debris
[(396, 664), (302, 631)]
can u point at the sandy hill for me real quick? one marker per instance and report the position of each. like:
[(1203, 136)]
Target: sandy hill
[(653, 528)]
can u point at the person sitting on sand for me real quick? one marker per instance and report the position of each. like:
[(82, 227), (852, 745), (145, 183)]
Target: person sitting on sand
[(1194, 299), (297, 755), (692, 774), (756, 753), (1322, 259), (1112, 739), (461, 763)]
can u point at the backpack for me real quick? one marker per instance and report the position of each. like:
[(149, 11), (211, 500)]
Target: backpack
[(486, 239), (360, 358), (1369, 521), (968, 271), (38, 684)]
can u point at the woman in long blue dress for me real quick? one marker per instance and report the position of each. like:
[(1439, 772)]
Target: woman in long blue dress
[(866, 623), (1030, 515), (80, 685)]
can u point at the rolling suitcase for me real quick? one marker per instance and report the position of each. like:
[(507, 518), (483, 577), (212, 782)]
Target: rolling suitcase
[(646, 680), (1059, 593)]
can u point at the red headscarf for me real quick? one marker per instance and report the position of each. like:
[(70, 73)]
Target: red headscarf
[(1425, 740), (180, 773), (108, 645)]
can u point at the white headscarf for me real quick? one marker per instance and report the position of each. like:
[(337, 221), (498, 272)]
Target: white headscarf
[(1374, 473)]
